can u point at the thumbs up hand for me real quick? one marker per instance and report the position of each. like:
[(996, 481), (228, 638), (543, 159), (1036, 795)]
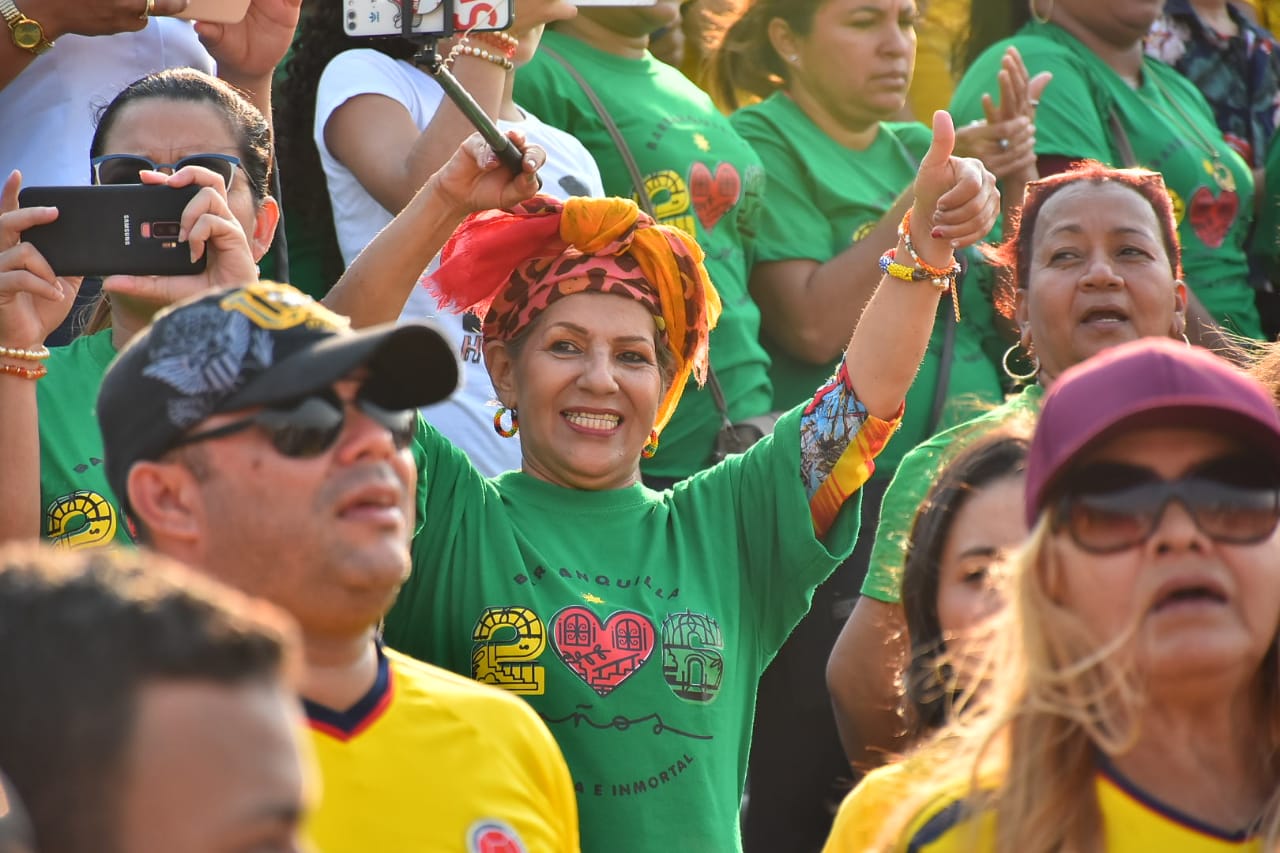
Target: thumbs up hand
[(956, 198)]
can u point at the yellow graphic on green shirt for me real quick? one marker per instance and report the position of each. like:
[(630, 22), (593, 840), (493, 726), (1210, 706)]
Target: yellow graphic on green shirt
[(671, 201), (507, 643), (82, 519), (1179, 206)]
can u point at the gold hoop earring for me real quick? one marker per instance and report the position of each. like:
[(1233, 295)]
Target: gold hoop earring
[(651, 446), (1020, 377), (506, 432), (1035, 16)]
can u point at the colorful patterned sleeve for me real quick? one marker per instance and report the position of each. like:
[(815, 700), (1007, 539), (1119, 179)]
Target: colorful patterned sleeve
[(839, 442)]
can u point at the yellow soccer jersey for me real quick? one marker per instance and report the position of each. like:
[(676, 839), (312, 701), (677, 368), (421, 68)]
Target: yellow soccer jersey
[(1134, 823), (431, 762)]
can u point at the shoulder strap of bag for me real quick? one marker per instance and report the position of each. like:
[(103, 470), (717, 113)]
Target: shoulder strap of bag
[(642, 194)]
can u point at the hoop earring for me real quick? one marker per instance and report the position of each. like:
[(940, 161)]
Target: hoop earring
[(497, 422), (651, 446), (1035, 16), (1019, 377), (1185, 339)]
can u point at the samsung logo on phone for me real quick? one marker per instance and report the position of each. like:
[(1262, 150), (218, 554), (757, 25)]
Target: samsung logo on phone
[(127, 236)]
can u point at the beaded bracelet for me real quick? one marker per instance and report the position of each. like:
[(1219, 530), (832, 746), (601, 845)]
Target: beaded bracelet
[(25, 372), (40, 353), (507, 45), (478, 53), (904, 234), (945, 282)]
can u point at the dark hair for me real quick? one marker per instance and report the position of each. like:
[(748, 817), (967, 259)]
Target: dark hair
[(991, 21), (928, 688), (1013, 256), (744, 60), (319, 38), (247, 124), (81, 633)]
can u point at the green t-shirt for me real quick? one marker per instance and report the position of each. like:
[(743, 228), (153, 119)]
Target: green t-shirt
[(910, 485), (636, 623), (821, 197), (703, 178), (1168, 124), (79, 508)]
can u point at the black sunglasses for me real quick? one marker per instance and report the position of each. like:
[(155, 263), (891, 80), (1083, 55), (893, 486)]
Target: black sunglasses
[(1110, 507), (124, 168), (307, 427)]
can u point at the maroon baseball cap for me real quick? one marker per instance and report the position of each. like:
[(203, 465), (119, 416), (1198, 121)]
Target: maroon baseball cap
[(1148, 382)]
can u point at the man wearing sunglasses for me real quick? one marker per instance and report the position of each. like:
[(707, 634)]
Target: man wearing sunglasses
[(251, 434)]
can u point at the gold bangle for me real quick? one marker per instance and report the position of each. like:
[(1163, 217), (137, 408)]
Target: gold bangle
[(39, 353)]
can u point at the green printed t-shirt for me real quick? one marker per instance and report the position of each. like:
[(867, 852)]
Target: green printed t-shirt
[(78, 508), (636, 623), (910, 486), (703, 178), (1169, 125), (820, 198)]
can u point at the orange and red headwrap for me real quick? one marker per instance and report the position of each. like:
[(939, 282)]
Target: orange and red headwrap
[(508, 266)]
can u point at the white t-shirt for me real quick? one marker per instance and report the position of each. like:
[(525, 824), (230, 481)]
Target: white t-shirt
[(467, 417), (48, 112)]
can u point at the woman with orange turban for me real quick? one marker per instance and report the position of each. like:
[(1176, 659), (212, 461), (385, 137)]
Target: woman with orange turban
[(637, 622)]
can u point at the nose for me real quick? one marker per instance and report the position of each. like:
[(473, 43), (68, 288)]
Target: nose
[(898, 40), (1176, 530), (363, 438), (1099, 272), (597, 373)]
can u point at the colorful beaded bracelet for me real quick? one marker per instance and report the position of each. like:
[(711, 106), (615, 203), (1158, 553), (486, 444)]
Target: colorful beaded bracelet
[(507, 45), (904, 234), (25, 372), (945, 282)]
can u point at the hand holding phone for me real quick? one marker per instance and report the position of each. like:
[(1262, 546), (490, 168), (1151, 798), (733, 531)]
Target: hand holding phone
[(129, 229)]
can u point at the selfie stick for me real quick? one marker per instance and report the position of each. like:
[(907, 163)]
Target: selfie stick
[(428, 58)]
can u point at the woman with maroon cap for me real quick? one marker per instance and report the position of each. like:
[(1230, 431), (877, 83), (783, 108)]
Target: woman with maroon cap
[(1136, 684)]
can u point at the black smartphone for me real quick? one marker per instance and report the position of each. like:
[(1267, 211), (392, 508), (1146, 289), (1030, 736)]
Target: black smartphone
[(125, 229)]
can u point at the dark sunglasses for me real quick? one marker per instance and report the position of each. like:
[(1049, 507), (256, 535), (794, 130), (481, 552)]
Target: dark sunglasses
[(1109, 507), (124, 168), (307, 427)]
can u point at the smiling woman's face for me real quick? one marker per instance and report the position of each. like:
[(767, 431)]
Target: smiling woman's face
[(1099, 276)]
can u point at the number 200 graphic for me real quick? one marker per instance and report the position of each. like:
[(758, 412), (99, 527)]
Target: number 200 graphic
[(508, 641)]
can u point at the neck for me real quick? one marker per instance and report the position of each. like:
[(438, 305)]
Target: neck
[(339, 671), (128, 317), (1203, 759), (1214, 13), (856, 137), (1125, 60), (584, 29)]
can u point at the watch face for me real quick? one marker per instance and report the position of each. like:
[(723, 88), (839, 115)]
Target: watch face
[(27, 34)]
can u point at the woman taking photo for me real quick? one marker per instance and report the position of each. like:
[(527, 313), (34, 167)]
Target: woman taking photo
[(638, 622), (1136, 686), (203, 132), (1092, 262), (1110, 102)]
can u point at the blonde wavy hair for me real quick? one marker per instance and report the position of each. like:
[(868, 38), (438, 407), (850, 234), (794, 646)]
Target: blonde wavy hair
[(1051, 698)]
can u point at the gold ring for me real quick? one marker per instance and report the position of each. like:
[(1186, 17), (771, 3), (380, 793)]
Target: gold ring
[(147, 12)]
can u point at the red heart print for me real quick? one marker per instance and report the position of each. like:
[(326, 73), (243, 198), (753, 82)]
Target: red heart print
[(602, 654), (714, 197), (1210, 217)]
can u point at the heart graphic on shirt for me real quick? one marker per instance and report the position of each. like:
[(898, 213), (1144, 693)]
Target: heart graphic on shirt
[(714, 196), (603, 654), (1210, 217)]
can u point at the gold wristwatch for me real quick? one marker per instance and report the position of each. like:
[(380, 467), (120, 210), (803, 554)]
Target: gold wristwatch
[(25, 32)]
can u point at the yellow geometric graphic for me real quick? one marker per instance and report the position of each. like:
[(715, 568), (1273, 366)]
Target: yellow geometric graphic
[(82, 519), (508, 641)]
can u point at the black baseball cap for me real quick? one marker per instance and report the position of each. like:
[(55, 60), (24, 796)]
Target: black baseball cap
[(257, 345)]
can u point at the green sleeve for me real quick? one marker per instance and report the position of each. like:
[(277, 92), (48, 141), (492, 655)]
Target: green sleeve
[(788, 211), (1071, 120), (907, 490)]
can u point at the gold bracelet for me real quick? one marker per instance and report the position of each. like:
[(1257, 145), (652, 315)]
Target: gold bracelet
[(478, 53), (40, 353)]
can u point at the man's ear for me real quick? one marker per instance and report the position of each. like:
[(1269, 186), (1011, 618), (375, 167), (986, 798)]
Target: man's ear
[(501, 365), (165, 499)]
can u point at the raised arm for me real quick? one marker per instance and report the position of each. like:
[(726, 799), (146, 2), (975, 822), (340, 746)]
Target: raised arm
[(33, 302), (248, 52), (374, 288), (956, 203)]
